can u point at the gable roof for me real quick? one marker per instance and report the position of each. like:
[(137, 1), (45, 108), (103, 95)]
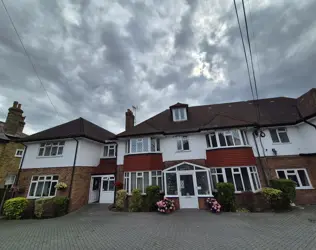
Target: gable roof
[(273, 112), (76, 128)]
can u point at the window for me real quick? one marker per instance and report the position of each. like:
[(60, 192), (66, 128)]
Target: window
[(279, 135), (179, 114), (109, 151), (229, 138), (108, 183), (51, 149), (154, 144), (19, 152), (182, 143), (211, 140), (243, 178), (43, 186), (171, 182), (141, 180), (202, 183), (299, 175), (244, 137), (142, 145)]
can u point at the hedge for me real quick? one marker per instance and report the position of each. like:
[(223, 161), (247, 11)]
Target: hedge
[(226, 196), (152, 197), (136, 201), (13, 208)]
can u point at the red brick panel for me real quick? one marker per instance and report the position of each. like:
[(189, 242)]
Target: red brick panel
[(143, 162), (106, 166), (230, 157)]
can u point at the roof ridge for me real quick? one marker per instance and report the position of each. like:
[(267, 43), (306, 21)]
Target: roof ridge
[(81, 125)]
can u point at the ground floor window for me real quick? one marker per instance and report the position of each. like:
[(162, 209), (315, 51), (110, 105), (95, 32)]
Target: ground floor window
[(243, 178), (43, 186), (298, 175), (141, 180)]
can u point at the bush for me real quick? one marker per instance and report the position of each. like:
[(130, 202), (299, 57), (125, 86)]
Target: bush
[(166, 206), (135, 204), (60, 205), (13, 208), (226, 196), (152, 197), (288, 188), (275, 198), (44, 208), (120, 199)]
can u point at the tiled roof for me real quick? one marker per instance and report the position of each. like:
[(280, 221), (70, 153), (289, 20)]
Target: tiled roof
[(7, 137), (273, 111), (76, 128)]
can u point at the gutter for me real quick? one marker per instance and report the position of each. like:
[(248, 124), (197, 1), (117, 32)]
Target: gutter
[(72, 174)]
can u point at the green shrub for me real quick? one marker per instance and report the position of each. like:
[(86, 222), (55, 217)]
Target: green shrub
[(226, 196), (44, 208), (152, 197), (60, 205), (288, 188), (120, 199), (136, 201), (13, 208), (275, 198)]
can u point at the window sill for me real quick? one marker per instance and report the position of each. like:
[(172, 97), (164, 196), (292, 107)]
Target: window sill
[(183, 151), (112, 157), (281, 143), (143, 153), (38, 197), (44, 157), (18, 156), (241, 146), (304, 188)]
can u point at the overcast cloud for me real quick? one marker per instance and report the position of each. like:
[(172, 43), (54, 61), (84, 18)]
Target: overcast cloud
[(98, 58)]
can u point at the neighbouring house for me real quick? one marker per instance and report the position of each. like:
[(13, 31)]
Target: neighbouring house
[(78, 153), (11, 151), (187, 150)]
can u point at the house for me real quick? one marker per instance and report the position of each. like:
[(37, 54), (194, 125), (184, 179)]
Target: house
[(187, 150), (78, 153), (11, 152)]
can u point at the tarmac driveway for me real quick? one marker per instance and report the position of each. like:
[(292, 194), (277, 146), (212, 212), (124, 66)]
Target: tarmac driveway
[(94, 227)]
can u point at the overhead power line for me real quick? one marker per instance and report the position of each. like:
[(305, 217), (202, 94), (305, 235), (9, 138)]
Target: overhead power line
[(28, 56), (244, 48)]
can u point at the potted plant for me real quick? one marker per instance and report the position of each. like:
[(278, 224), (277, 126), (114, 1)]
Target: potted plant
[(61, 186), (166, 206)]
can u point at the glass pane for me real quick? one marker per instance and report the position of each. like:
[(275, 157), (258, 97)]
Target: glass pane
[(55, 143), (32, 189), (229, 175), (61, 143), (219, 170), (145, 145), (146, 181), (281, 174), (41, 151), (42, 145), (176, 114), (303, 178), (153, 144), (53, 189), (213, 139), (133, 181), (54, 151), (181, 114), (153, 181), (258, 181), (185, 144), (254, 181), (105, 185), (139, 146), (246, 179), (214, 182), (202, 183), (186, 185), (158, 144), (236, 137), (294, 178), (172, 188), (160, 182), (238, 182), (35, 178), (111, 185), (47, 151), (41, 177), (220, 178), (153, 173), (208, 143), (111, 152), (184, 167), (48, 177), (274, 135), (222, 139), (283, 137), (229, 140), (133, 145), (46, 188), (105, 151), (60, 150), (55, 177), (140, 184), (39, 189)]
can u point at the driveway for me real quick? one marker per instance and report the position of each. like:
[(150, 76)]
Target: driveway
[(94, 227)]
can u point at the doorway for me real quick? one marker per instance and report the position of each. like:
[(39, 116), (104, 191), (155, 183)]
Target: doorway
[(187, 192)]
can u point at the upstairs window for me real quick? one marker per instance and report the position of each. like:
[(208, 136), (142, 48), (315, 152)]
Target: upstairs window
[(179, 114), (154, 144), (183, 143), (51, 149), (229, 138), (279, 135), (109, 151), (19, 152), (142, 145)]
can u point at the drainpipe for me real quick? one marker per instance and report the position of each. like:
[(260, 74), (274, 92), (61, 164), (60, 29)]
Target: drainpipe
[(258, 152), (72, 174)]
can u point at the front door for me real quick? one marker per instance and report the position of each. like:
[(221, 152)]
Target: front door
[(188, 195), (107, 189)]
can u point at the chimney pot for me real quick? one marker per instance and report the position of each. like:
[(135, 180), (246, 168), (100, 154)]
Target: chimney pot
[(19, 106), (15, 104)]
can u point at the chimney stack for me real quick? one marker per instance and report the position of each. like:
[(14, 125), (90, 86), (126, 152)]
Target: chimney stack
[(129, 119), (14, 123)]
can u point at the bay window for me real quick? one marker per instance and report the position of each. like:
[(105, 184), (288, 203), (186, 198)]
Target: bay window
[(142, 145), (230, 138), (299, 176), (141, 180), (43, 186), (243, 178)]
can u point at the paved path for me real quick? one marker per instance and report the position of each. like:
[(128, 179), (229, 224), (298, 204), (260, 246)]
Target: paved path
[(94, 227)]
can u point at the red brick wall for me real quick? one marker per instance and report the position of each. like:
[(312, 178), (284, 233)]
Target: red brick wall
[(230, 157), (106, 166), (143, 162)]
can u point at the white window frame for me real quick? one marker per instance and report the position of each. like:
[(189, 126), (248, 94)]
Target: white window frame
[(57, 144), (139, 141), (21, 151), (241, 134), (278, 131), (140, 175), (181, 139), (106, 151), (297, 176), (237, 170), (178, 115), (42, 178), (156, 142)]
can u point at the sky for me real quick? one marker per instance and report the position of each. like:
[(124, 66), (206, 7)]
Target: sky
[(98, 58)]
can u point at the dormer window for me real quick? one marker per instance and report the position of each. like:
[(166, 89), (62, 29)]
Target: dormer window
[(179, 114)]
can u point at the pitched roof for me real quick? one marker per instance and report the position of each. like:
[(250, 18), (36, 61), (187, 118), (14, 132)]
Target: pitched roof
[(273, 112), (7, 137), (76, 128)]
